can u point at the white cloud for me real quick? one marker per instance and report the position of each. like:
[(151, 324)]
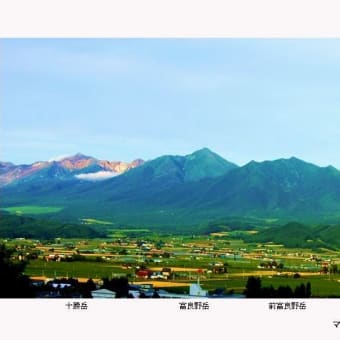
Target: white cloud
[(97, 176)]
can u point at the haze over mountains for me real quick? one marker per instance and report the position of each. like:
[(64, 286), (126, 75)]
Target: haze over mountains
[(176, 190)]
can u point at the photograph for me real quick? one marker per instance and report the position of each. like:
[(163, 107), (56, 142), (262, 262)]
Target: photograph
[(170, 168)]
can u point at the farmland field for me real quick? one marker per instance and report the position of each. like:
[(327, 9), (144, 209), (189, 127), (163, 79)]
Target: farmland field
[(217, 260), (88, 269)]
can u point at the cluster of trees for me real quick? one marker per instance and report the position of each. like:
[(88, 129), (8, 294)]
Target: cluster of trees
[(329, 269), (74, 288), (254, 289), (118, 285), (121, 287), (13, 283)]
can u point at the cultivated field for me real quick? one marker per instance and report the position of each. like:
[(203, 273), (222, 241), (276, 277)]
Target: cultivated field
[(217, 260)]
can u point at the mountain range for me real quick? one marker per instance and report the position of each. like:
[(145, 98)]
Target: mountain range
[(78, 166), (175, 190)]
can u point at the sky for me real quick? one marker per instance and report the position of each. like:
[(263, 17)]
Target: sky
[(122, 99)]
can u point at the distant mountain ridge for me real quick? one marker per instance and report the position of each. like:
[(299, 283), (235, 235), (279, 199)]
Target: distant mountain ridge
[(65, 168), (186, 190)]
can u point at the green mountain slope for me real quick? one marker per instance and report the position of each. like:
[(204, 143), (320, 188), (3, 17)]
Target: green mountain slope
[(281, 188), (204, 164), (297, 235), (193, 190), (23, 226)]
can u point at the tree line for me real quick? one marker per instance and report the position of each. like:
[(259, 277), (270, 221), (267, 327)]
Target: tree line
[(254, 289)]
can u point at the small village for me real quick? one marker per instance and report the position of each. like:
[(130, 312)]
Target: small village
[(172, 266)]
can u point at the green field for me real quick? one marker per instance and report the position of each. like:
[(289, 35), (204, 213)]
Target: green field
[(32, 210), (77, 269), (321, 286)]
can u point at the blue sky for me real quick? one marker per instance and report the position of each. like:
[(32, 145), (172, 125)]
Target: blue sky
[(121, 99)]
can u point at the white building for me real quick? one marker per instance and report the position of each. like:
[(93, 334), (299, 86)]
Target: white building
[(196, 290), (103, 294)]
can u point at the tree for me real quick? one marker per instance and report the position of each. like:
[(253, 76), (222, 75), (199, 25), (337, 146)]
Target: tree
[(87, 288), (303, 291), (300, 291), (13, 283), (285, 292), (254, 290), (225, 266), (324, 270), (308, 290), (268, 292), (253, 287), (333, 269), (118, 285)]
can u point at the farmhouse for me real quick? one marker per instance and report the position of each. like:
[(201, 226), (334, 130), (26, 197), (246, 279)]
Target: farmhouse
[(144, 273), (166, 272)]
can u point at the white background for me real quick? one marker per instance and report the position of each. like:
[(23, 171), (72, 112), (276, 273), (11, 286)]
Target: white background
[(170, 18), (162, 319)]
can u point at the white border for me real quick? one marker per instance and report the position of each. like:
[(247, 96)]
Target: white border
[(169, 18)]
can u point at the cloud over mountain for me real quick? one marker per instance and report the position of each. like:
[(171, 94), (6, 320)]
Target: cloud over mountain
[(97, 176)]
